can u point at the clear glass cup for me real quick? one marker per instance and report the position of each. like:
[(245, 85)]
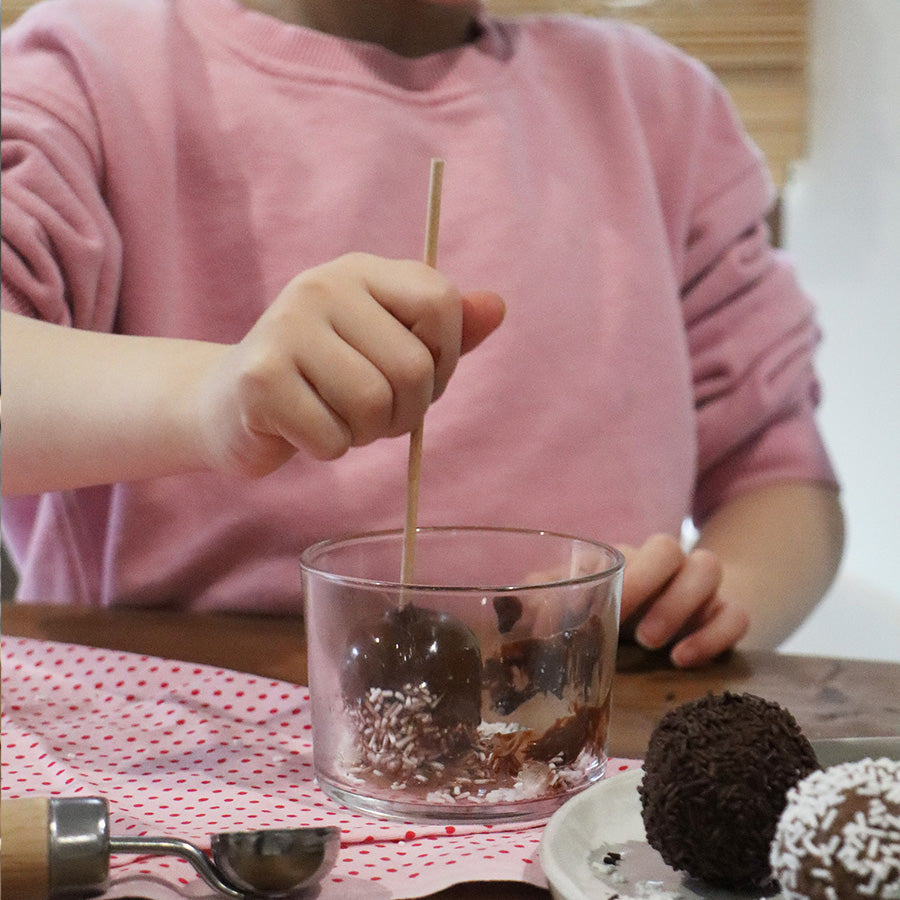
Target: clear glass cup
[(481, 690)]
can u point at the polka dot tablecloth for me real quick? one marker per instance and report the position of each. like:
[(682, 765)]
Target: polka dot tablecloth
[(185, 750)]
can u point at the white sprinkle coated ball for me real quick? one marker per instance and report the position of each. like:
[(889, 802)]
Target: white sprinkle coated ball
[(838, 837)]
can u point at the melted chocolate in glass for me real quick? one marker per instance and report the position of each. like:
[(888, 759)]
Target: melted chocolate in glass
[(529, 666)]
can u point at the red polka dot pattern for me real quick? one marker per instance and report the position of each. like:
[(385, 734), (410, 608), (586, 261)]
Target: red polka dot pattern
[(185, 750)]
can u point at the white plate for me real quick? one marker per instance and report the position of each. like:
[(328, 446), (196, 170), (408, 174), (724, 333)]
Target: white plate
[(605, 818)]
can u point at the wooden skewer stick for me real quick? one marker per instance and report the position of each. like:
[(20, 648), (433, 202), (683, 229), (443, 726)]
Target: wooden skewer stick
[(414, 468)]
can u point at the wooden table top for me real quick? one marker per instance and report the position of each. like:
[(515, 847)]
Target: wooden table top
[(829, 696)]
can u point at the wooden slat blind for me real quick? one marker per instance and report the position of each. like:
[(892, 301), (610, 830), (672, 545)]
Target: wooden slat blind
[(758, 48), (10, 10)]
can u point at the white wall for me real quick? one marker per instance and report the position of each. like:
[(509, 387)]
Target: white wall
[(843, 227)]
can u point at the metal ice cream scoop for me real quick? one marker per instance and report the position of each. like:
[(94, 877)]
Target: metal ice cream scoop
[(60, 846)]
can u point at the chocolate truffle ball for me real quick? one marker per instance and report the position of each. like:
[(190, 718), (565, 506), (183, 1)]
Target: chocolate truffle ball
[(839, 834), (716, 778), (418, 651)]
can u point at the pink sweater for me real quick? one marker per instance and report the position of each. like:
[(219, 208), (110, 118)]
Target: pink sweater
[(168, 165)]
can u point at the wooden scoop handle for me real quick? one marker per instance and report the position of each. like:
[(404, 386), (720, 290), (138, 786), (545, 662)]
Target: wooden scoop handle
[(54, 846), (25, 848)]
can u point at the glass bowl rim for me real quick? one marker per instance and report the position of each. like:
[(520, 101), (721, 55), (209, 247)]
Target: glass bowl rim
[(318, 547)]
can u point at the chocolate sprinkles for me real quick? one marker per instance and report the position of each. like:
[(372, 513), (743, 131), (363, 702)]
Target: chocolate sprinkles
[(716, 778)]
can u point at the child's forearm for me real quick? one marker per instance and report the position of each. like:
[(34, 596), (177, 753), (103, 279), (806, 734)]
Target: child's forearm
[(83, 408), (780, 547)]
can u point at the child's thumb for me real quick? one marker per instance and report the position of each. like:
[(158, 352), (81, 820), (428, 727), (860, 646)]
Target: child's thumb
[(483, 311)]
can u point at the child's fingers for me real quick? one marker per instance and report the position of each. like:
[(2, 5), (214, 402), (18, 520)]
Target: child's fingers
[(372, 338), (415, 309), (725, 624), (265, 411), (424, 301), (304, 420), (682, 600), (648, 569), (376, 375)]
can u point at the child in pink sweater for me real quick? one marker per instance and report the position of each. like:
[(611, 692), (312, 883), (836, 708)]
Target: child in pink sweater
[(217, 334)]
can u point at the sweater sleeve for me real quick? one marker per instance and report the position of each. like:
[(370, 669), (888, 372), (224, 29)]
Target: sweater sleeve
[(751, 330), (61, 252)]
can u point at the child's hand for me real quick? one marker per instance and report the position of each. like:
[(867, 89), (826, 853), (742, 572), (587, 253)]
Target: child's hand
[(671, 598), (350, 351)]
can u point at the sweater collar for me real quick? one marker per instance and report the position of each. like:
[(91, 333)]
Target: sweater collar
[(293, 50)]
